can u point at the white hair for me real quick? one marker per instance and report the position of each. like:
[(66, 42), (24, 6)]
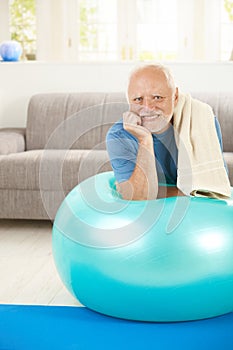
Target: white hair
[(157, 67)]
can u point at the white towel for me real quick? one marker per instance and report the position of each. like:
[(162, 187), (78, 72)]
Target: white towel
[(200, 169)]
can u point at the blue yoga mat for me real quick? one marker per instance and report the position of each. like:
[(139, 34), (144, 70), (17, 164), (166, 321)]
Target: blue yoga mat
[(55, 327)]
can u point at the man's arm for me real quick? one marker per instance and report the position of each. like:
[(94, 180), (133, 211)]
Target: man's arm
[(143, 183)]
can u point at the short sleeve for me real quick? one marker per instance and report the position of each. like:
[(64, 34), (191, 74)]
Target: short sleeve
[(122, 150)]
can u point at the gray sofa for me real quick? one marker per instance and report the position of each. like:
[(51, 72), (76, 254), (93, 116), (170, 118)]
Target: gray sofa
[(64, 143)]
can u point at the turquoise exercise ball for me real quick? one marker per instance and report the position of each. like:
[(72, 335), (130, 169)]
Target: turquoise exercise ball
[(163, 260), (10, 50)]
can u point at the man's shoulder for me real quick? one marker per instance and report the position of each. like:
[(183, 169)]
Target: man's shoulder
[(116, 127)]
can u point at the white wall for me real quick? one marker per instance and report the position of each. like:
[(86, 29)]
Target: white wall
[(20, 80)]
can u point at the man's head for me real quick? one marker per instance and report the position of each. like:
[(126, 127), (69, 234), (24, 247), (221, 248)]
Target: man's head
[(153, 96)]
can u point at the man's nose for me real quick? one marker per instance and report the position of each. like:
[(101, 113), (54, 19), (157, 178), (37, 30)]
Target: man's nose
[(148, 103), (146, 110)]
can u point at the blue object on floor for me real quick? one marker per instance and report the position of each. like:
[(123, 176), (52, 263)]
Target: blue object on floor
[(77, 328)]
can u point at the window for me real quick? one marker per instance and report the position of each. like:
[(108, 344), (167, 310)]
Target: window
[(156, 28), (127, 30), (123, 30), (145, 30), (226, 29), (97, 30), (23, 25)]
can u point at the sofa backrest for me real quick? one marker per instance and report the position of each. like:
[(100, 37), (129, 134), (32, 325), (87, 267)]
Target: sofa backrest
[(222, 105), (81, 120), (72, 120)]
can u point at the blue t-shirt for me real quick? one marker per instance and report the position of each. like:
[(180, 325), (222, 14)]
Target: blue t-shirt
[(123, 149)]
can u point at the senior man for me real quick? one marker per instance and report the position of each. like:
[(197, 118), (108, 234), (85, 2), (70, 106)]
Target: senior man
[(167, 144)]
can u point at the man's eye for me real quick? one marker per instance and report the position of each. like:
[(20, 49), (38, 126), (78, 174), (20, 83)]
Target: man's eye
[(157, 97), (137, 99)]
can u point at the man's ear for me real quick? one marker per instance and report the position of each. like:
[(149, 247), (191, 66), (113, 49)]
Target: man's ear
[(176, 96)]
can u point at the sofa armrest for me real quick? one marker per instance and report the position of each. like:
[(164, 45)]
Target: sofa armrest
[(12, 140)]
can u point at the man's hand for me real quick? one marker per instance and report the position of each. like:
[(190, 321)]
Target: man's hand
[(143, 183), (133, 124)]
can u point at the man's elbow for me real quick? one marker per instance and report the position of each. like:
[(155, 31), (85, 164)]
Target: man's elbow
[(128, 192)]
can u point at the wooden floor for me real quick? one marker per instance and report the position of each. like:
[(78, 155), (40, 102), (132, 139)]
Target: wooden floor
[(27, 271)]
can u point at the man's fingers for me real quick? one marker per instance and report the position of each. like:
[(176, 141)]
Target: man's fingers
[(131, 118)]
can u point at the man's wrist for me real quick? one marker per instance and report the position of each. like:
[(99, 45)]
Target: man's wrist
[(146, 140)]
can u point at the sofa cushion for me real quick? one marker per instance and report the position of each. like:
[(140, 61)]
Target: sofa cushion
[(21, 204), (77, 121), (50, 170)]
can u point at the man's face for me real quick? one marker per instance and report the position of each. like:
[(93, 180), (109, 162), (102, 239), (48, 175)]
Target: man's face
[(152, 98)]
